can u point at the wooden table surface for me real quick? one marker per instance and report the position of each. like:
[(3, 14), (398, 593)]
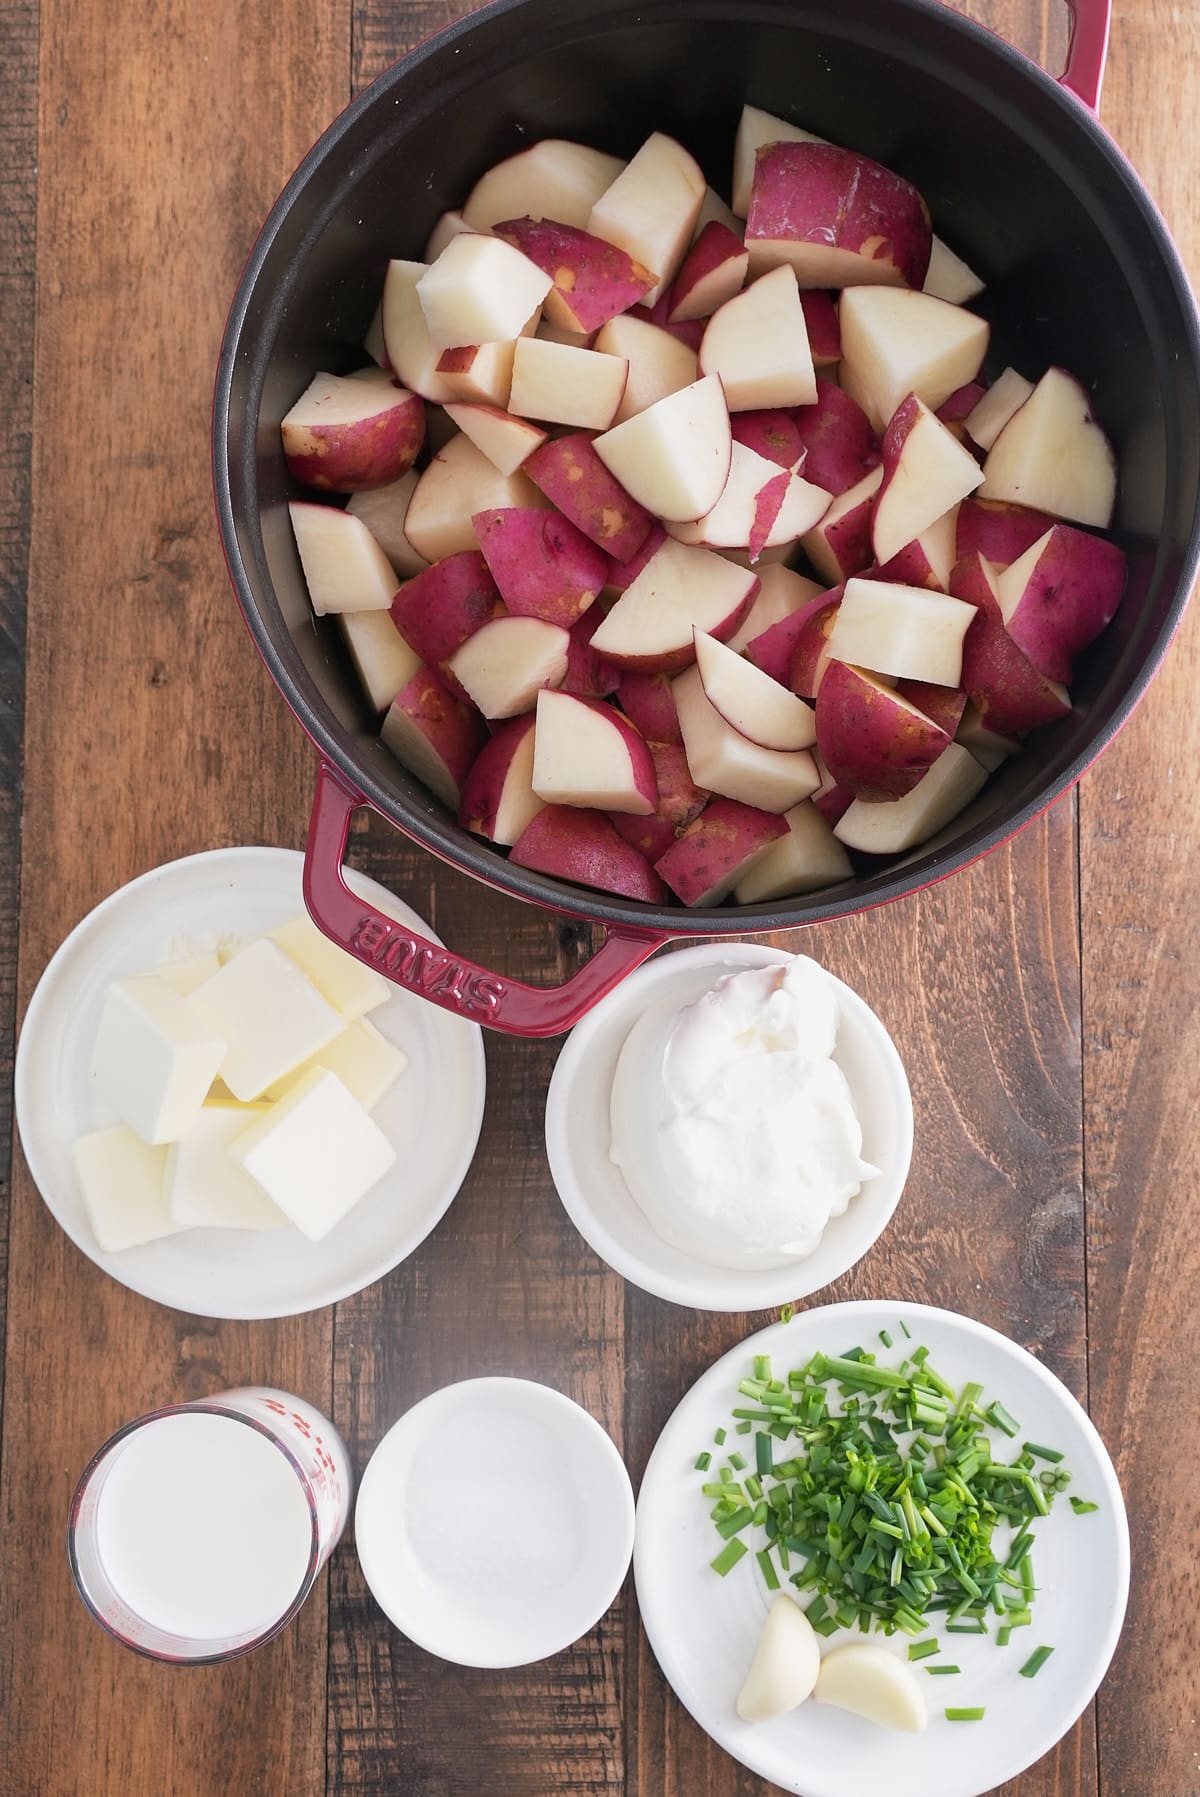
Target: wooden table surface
[(1046, 1002)]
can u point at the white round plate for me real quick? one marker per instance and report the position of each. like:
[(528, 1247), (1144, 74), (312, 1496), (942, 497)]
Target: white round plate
[(509, 1564), (704, 1628), (600, 1204), (192, 905)]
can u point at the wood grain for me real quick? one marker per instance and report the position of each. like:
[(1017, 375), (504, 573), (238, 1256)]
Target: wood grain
[(18, 243), (1140, 825), (1044, 1002), (151, 733)]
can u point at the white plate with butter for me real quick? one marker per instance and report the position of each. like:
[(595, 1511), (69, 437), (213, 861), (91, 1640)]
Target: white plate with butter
[(200, 905), (703, 1628)]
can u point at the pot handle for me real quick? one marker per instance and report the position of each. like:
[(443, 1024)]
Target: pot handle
[(1087, 50), (421, 966)]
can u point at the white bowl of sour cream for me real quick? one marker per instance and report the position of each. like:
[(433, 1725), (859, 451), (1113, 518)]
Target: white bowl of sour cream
[(673, 1111)]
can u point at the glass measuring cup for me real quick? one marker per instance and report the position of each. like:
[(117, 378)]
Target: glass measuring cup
[(191, 1542)]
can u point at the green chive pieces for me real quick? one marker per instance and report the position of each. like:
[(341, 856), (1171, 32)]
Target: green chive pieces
[(1036, 1661), (1081, 1507), (965, 1715), (923, 1650), (703, 1462), (942, 1671), (728, 1557)]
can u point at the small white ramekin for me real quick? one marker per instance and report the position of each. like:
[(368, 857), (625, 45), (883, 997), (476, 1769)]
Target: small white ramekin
[(598, 1201)]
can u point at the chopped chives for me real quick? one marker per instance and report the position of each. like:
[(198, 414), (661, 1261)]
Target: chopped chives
[(885, 1338), (703, 1462), (734, 1522), (1081, 1507), (738, 1462), (1035, 1447), (727, 1475), (999, 1418), (1036, 1661), (728, 1557), (719, 1438), (965, 1715), (923, 1650), (1004, 1635), (942, 1671), (744, 1427), (764, 1454), (905, 1328), (787, 1313), (762, 1367)]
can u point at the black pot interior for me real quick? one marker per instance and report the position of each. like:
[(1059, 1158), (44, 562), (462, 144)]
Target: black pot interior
[(1020, 180)]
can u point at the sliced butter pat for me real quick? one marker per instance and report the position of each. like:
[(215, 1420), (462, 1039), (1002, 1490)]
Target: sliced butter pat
[(205, 1186), (270, 1014), (122, 1180), (365, 1062), (315, 1152), (344, 982), (156, 1055), (184, 975)]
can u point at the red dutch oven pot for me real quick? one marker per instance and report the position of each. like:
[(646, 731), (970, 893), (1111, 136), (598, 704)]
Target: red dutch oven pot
[(1020, 178)]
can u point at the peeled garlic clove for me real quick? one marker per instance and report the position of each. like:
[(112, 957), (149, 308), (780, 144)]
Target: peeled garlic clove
[(871, 1682), (785, 1664)]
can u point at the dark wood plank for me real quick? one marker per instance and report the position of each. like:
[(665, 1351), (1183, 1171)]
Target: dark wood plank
[(18, 238), (504, 1285), (1140, 820), (151, 733)]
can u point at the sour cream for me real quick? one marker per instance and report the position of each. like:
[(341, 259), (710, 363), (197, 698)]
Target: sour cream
[(731, 1122)]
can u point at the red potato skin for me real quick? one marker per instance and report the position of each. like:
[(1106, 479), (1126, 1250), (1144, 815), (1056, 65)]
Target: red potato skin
[(961, 403), (833, 803), (942, 704), (452, 727), (483, 788), (715, 847), (775, 649), (767, 502), (571, 843), (593, 280), (1072, 595), (824, 330), (588, 675), (837, 199), (810, 644), (647, 700), (573, 478), (716, 247), (871, 746), (998, 530), (999, 677), (689, 331), (841, 447), (679, 801), (354, 458), (849, 539), (623, 574), (543, 566), (440, 608), (774, 435), (909, 567)]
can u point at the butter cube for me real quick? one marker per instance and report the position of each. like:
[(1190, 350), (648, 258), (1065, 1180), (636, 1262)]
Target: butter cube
[(344, 982), (315, 1152), (155, 1057), (365, 1062), (184, 975), (269, 1013), (205, 1186), (122, 1180)]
